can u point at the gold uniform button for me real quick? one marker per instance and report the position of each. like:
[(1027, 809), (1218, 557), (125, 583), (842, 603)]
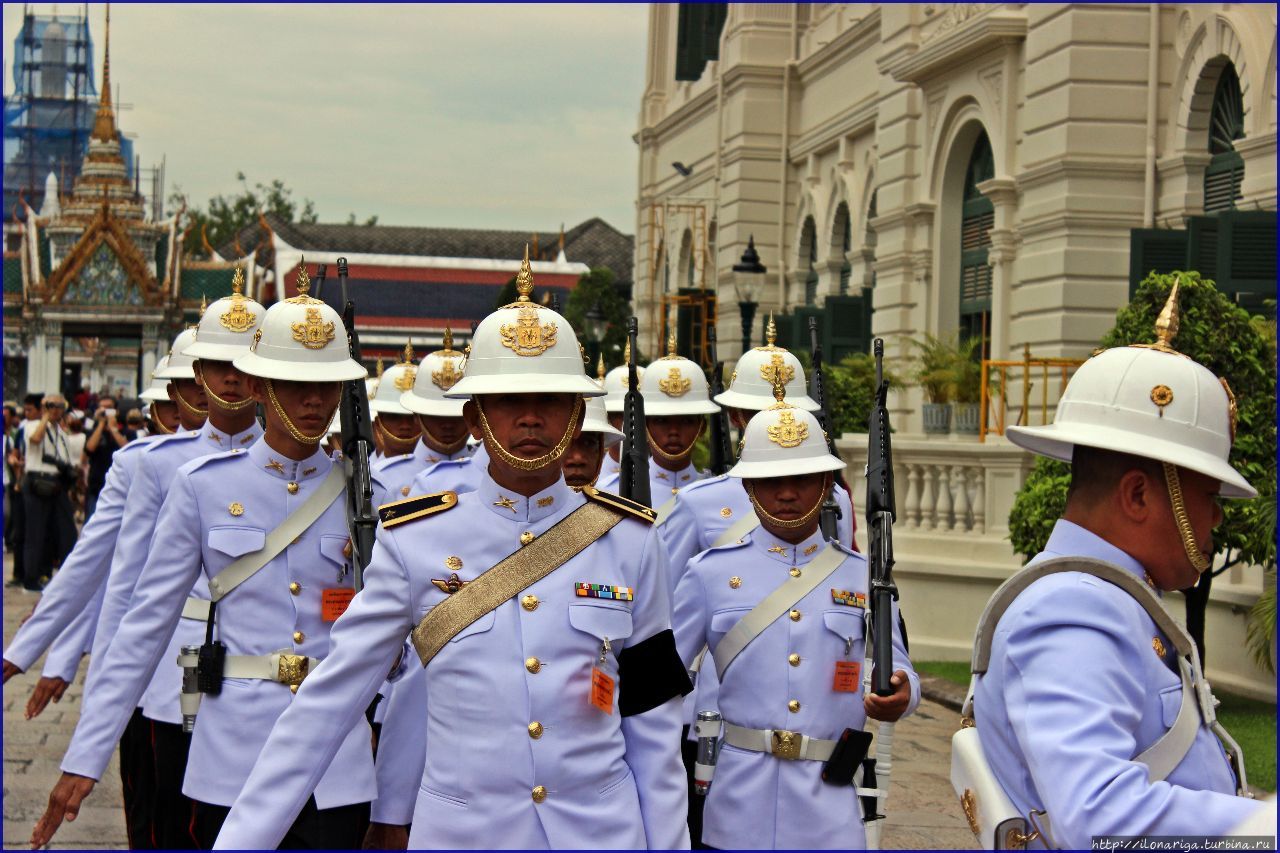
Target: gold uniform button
[(298, 636), (535, 730), (293, 688), (795, 572), (539, 794), (526, 537), (295, 587), (793, 659), (529, 602), (533, 665), (293, 488), (795, 615), (793, 706)]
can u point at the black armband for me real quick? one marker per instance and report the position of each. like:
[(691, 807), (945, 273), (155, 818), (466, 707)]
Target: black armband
[(651, 673)]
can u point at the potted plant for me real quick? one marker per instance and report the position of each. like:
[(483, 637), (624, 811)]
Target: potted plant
[(966, 389), (934, 374)]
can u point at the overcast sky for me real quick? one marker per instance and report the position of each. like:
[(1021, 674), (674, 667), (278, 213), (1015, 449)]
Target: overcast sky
[(479, 116)]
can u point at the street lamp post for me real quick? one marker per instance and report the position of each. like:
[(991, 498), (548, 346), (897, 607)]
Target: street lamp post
[(748, 279)]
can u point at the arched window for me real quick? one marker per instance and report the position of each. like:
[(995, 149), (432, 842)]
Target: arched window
[(809, 248), (1225, 172), (977, 218)]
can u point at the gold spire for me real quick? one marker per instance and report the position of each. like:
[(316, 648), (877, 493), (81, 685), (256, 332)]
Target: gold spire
[(104, 123), (304, 280), (524, 280), (237, 282), (671, 345), (379, 368), (600, 368), (408, 352), (204, 304), (779, 389), (448, 341), (1167, 322), (771, 331)]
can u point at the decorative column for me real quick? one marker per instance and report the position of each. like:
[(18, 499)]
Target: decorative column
[(53, 357), (152, 349), (37, 353), (1003, 193)]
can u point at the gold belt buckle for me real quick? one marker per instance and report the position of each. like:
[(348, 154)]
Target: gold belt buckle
[(292, 669), (786, 745)]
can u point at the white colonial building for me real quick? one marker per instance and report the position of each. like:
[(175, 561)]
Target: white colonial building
[(940, 168)]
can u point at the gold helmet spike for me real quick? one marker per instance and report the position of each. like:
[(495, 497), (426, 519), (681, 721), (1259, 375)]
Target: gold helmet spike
[(524, 280), (237, 282), (408, 352), (448, 339), (600, 367), (304, 280), (671, 344), (1167, 322), (204, 304), (379, 368), (771, 332)]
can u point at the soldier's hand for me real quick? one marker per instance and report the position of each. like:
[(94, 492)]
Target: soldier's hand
[(10, 671), (386, 836), (889, 708), (46, 688), (64, 803)]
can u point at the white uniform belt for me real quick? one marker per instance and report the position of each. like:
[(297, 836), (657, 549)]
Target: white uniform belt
[(792, 746), (196, 608), (282, 666)]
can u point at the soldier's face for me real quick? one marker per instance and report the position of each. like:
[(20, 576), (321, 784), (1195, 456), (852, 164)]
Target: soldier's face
[(675, 433), (310, 405), (789, 498), (191, 392), (582, 460), (404, 427), (166, 414), (1168, 563), (222, 378), (526, 425), (446, 432)]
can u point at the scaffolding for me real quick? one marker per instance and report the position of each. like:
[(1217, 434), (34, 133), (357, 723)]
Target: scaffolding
[(695, 306)]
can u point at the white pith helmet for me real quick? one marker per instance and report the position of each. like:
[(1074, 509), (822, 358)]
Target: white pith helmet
[(301, 340), (674, 385), (1149, 401), (615, 382), (227, 327), (782, 441), (751, 385), (393, 383), (597, 420), (438, 372), (524, 348), (179, 363), (156, 391)]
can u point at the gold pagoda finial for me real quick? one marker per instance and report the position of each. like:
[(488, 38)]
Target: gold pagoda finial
[(671, 345), (448, 339), (524, 280), (237, 282), (379, 368), (1167, 322), (771, 332), (204, 304), (304, 280), (600, 367), (104, 123), (408, 352), (626, 352)]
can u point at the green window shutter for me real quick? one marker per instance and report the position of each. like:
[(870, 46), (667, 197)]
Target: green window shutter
[(698, 27), (1247, 263), (1225, 172), (1155, 249), (977, 218), (1202, 246), (848, 326)]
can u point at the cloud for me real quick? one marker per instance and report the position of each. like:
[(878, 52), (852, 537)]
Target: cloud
[(490, 116)]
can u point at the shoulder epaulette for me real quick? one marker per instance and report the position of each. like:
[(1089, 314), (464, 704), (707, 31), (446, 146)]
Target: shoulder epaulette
[(201, 461), (162, 440), (411, 509), (618, 502)]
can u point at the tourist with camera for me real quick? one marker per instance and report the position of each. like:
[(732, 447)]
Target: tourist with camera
[(52, 469), (108, 435)]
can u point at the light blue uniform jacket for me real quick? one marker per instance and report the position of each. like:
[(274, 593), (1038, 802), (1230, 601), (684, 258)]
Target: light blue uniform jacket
[(393, 476), (758, 801), (203, 532), (610, 781), (663, 484), (1074, 691)]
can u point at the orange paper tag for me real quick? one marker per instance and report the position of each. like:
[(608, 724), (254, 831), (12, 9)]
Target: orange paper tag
[(847, 677), (333, 602), (601, 690)]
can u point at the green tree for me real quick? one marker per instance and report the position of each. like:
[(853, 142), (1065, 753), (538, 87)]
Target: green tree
[(1224, 338), (849, 387), (596, 288), (226, 215)]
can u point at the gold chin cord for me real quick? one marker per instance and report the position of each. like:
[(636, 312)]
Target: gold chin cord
[(161, 429), (548, 458), (674, 457), (298, 435), (1188, 534), (225, 405), (395, 440), (437, 444), (187, 407), (778, 522)]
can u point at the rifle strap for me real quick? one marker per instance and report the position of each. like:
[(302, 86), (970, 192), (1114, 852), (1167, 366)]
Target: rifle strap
[(277, 540), (774, 605)]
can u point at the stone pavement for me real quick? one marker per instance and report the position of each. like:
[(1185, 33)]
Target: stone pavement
[(922, 811)]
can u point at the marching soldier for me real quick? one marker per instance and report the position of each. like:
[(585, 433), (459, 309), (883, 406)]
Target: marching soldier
[(266, 528), (782, 612), (395, 425), (162, 413), (585, 456), (553, 686), (677, 402), (1093, 712)]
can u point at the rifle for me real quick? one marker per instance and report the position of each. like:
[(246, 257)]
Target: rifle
[(721, 450), (830, 509), (633, 478), (357, 446), (880, 516)]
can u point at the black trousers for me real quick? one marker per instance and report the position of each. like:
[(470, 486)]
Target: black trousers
[(50, 530), (689, 752), (175, 813), (339, 828), (15, 530), (138, 779)]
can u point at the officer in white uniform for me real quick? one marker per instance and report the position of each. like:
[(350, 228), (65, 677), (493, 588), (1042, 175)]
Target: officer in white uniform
[(396, 427), (552, 713), (1081, 680), (273, 625), (420, 395), (797, 683), (676, 401)]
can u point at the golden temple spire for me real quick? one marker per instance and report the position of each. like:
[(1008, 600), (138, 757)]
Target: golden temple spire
[(524, 280), (104, 123), (304, 280), (1167, 322), (771, 332), (600, 368)]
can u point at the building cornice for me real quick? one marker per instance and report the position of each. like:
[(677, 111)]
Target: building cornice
[(852, 122), (918, 63), (823, 60), (1077, 167), (695, 109)]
